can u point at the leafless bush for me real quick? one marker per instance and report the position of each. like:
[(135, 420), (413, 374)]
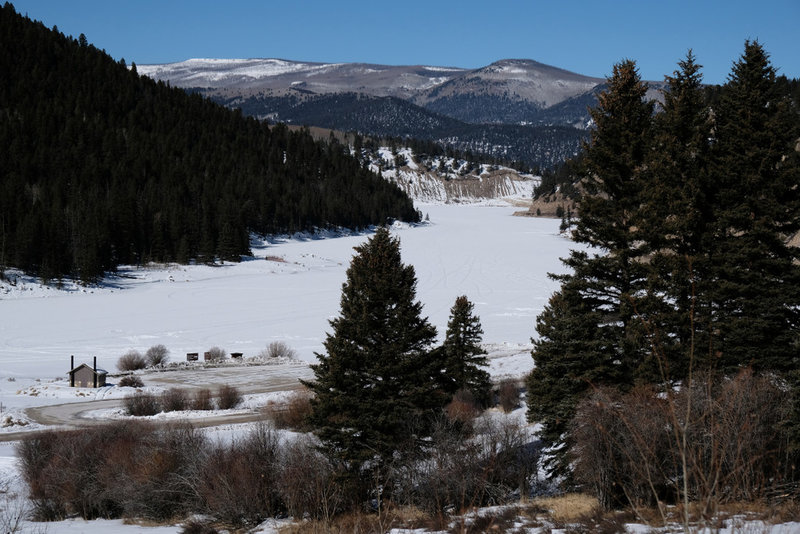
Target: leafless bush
[(509, 395), (174, 400), (278, 349), (158, 478), (238, 484), (131, 381), (449, 476), (463, 408), (13, 509), (123, 469), (713, 441), (216, 354), (509, 456), (202, 400), (131, 361), (141, 404), (157, 355), (293, 414), (228, 397), (308, 483), (622, 446)]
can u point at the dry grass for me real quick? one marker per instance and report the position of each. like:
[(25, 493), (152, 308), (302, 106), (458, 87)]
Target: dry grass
[(567, 508), (293, 413), (363, 523), (570, 513)]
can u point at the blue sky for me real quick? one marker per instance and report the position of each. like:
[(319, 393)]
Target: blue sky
[(587, 37)]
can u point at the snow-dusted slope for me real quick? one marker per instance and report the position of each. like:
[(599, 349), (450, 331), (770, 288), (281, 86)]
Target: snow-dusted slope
[(448, 180), (522, 79), (516, 79), (279, 74)]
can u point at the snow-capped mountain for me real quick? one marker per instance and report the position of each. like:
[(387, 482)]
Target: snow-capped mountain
[(320, 78), (513, 109), (520, 79)]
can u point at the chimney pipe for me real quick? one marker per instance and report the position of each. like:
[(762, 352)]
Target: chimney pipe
[(95, 371), (71, 368)]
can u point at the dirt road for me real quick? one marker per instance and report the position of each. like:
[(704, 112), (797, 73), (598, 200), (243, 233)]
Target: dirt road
[(248, 379)]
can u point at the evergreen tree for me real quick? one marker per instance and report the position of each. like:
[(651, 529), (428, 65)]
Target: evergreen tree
[(590, 332), (463, 358), (376, 380), (572, 353), (755, 282), (610, 212), (676, 221)]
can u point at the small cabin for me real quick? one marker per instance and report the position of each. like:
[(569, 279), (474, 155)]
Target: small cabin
[(85, 376)]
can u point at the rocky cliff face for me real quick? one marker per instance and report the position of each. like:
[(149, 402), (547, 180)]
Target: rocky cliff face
[(448, 180)]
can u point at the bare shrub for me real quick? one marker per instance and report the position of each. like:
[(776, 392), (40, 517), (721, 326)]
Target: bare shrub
[(278, 349), (13, 509), (202, 400), (238, 484), (122, 469), (463, 408), (308, 483), (158, 479), (131, 381), (174, 400), (449, 476), (131, 361), (509, 456), (508, 396), (141, 404), (606, 436), (216, 354), (228, 397), (157, 355), (292, 415), (713, 441)]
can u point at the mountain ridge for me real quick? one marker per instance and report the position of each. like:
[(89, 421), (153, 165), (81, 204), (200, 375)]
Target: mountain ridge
[(512, 110), (528, 79)]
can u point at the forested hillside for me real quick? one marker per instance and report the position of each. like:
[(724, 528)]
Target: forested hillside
[(103, 167), (537, 145)]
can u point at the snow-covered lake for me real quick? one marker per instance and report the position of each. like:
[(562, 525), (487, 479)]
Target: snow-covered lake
[(499, 261), (287, 292)]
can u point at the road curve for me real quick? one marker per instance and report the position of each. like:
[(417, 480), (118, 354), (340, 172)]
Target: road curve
[(248, 379)]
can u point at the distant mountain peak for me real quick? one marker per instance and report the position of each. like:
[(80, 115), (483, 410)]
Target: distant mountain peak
[(481, 110)]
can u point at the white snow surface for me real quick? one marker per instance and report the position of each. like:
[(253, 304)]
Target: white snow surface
[(287, 291)]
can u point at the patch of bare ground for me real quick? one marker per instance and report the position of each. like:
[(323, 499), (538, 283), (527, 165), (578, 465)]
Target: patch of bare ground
[(549, 206)]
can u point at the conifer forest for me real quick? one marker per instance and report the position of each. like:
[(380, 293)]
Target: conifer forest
[(103, 167)]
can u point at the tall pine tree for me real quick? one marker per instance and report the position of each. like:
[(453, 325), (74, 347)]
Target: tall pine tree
[(375, 382), (599, 301), (676, 218), (755, 283), (463, 358)]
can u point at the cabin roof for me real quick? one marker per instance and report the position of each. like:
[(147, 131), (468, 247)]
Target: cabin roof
[(99, 371)]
